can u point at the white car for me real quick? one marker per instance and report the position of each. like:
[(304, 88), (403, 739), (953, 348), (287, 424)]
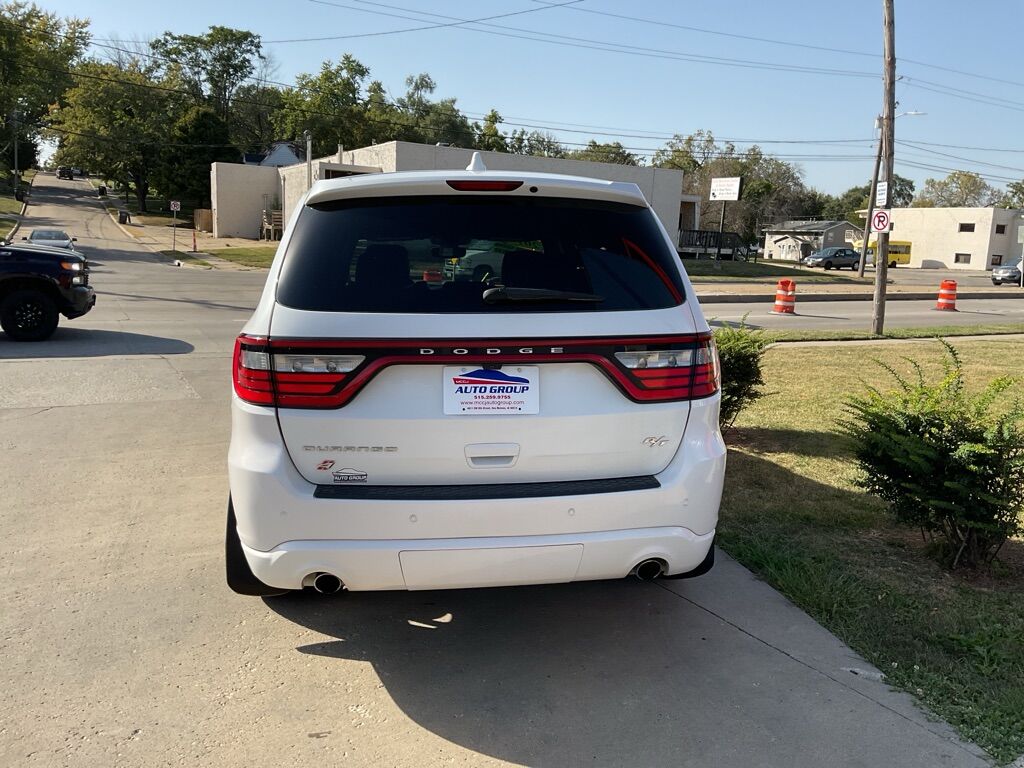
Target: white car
[(557, 422)]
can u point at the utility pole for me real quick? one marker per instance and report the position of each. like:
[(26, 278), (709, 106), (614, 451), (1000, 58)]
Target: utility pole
[(309, 159), (871, 206), (17, 176), (888, 136)]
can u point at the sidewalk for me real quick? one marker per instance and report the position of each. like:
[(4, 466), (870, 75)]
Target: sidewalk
[(162, 240)]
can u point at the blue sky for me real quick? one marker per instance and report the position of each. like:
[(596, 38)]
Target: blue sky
[(657, 89)]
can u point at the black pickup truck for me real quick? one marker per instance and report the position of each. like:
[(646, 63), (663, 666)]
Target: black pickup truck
[(38, 283)]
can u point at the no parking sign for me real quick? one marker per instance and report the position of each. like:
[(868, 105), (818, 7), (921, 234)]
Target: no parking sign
[(880, 221)]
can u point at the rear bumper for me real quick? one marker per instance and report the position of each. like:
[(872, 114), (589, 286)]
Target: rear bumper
[(288, 533), (478, 562)]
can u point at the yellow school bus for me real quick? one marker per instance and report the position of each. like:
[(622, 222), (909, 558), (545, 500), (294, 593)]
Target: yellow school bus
[(899, 251)]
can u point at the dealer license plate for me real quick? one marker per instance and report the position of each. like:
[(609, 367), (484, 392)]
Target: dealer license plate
[(510, 390)]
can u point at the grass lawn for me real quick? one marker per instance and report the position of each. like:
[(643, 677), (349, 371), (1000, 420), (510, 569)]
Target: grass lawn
[(257, 256), (792, 513), (705, 271), (925, 332)]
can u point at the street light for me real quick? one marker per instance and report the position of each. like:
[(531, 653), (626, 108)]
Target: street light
[(873, 191)]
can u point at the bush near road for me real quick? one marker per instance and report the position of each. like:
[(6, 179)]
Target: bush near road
[(793, 512)]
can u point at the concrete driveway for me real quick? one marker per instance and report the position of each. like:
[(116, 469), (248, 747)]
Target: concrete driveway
[(123, 647)]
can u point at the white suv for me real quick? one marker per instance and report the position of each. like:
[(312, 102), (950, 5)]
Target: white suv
[(399, 425)]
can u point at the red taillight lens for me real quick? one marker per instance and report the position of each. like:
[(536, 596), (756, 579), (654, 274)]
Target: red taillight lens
[(484, 186), (682, 372), (251, 369), (266, 376)]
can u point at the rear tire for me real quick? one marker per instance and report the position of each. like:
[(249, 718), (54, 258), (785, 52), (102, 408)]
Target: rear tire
[(28, 315), (706, 565), (828, 265), (240, 577), (892, 265), (855, 267)]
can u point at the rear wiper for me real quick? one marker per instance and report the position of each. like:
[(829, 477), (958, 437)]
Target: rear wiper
[(497, 295)]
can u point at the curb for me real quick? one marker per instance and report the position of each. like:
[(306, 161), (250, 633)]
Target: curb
[(24, 208), (768, 298), (891, 340)]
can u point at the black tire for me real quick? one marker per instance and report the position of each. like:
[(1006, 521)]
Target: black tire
[(828, 265), (28, 315), (240, 577), (855, 266), (892, 265), (706, 565)]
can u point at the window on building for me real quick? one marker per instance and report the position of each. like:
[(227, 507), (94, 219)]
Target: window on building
[(1000, 229), (962, 258), (966, 227), (996, 260)]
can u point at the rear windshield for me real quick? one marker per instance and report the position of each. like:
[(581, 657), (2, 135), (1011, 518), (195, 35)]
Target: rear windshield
[(443, 254)]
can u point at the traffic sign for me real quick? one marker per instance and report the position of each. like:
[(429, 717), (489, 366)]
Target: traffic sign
[(175, 205), (880, 221), (882, 194)]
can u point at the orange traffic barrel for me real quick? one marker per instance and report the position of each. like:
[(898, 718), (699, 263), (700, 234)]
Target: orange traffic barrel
[(947, 296), (785, 298)]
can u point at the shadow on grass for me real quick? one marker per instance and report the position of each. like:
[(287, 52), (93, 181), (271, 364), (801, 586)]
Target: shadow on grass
[(830, 445)]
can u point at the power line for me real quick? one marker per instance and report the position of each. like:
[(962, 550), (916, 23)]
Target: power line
[(534, 123), (599, 45), (543, 7), (786, 43)]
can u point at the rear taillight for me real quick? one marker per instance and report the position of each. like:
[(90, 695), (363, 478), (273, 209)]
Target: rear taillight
[(325, 373), (686, 371), (266, 377)]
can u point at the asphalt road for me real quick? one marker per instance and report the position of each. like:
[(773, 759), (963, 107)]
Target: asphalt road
[(857, 314), (123, 647)]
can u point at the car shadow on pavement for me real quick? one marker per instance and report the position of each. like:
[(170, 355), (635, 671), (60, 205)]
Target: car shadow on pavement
[(88, 342), (555, 675)]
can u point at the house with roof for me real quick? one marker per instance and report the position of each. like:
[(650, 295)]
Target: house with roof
[(246, 196), (280, 154), (792, 240)]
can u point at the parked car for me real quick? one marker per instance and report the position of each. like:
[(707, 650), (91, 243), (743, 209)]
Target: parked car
[(64, 172), (1006, 273), (833, 258), (558, 422), (55, 238), (37, 284)]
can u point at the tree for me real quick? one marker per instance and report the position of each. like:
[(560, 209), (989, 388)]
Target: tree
[(251, 122), (488, 136), (198, 139), (537, 143), (36, 51), (772, 189), (329, 104), (213, 66), (116, 122), (1014, 196), (612, 152), (961, 189)]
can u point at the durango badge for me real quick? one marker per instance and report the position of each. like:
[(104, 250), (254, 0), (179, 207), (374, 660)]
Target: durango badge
[(349, 475)]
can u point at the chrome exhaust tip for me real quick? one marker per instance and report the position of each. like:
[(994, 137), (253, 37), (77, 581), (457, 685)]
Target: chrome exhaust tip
[(649, 570), (327, 583)]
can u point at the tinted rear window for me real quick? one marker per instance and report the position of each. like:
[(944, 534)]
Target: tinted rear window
[(440, 254)]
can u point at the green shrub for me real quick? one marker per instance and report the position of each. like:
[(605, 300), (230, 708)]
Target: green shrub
[(949, 463), (740, 350)]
